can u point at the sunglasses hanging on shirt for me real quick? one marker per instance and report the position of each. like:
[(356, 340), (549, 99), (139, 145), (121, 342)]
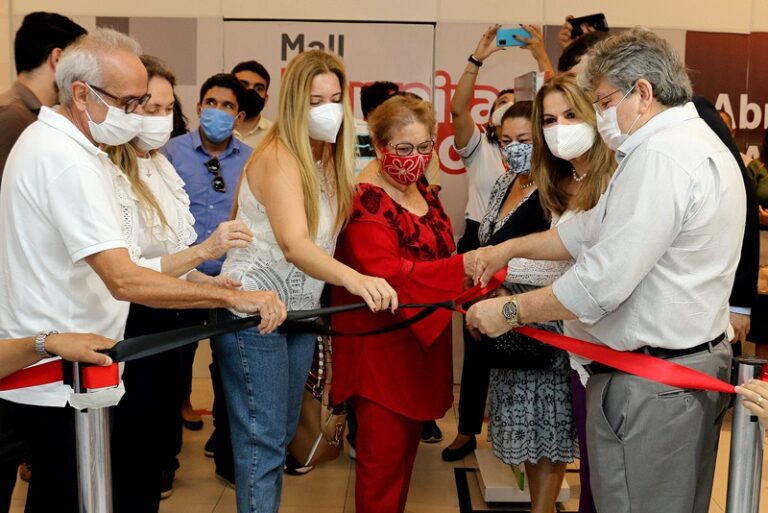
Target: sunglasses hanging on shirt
[(214, 167)]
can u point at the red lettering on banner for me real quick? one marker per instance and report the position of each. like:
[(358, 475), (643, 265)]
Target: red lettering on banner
[(485, 95)]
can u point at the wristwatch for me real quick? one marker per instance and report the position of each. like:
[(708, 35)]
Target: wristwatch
[(510, 312), (40, 343)]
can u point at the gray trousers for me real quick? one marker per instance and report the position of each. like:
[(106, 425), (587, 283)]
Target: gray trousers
[(652, 448)]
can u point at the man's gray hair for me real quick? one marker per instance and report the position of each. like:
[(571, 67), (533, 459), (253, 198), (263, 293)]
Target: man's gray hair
[(81, 61), (623, 59)]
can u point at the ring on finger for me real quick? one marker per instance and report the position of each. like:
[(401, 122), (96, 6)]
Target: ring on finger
[(760, 400)]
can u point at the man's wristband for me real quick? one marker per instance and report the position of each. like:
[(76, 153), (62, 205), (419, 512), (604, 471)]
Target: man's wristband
[(474, 61)]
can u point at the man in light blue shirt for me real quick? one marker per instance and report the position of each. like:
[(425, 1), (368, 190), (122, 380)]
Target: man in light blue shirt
[(655, 263), (210, 159)]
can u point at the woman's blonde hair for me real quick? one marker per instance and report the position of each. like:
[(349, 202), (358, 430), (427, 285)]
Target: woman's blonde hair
[(397, 112), (549, 171), (126, 159), (291, 131)]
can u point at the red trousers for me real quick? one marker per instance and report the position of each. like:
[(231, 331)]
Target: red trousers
[(386, 446)]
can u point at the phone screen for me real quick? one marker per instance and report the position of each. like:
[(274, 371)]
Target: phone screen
[(505, 36)]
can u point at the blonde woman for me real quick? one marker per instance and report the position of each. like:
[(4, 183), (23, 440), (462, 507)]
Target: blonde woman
[(158, 227), (295, 195)]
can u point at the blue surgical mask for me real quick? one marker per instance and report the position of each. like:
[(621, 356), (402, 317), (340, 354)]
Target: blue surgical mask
[(216, 124)]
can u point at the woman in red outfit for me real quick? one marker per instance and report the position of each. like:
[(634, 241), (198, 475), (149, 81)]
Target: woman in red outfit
[(398, 231)]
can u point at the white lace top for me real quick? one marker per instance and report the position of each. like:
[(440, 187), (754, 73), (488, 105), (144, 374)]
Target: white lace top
[(148, 239), (262, 266), (536, 273)]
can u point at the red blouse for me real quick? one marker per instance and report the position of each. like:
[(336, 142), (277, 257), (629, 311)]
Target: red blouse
[(409, 370)]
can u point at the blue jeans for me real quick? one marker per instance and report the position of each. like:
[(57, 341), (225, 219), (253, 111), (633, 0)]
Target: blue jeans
[(263, 378)]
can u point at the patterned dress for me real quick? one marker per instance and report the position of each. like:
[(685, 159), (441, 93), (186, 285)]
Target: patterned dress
[(531, 415)]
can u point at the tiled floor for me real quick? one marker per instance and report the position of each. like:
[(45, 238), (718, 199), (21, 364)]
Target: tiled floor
[(330, 488)]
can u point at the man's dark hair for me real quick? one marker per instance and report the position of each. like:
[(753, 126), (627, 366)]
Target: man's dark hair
[(227, 81), (41, 33), (374, 94), (254, 67), (578, 48)]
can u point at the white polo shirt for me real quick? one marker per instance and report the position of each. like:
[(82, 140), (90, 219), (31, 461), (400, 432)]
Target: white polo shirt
[(57, 206)]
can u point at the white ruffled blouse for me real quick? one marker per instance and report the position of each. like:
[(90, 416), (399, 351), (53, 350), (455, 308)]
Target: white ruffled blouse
[(147, 238)]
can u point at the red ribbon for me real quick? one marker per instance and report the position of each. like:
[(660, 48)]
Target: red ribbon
[(638, 364), (477, 291), (52, 372)]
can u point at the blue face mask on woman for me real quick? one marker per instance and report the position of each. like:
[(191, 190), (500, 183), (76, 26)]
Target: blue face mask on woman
[(216, 124)]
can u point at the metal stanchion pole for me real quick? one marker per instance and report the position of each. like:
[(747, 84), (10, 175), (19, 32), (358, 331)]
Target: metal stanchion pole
[(746, 462), (94, 466)]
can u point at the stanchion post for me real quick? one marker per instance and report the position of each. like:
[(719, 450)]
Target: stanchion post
[(746, 461), (94, 465)]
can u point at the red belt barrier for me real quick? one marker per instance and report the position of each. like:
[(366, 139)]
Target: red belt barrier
[(52, 372)]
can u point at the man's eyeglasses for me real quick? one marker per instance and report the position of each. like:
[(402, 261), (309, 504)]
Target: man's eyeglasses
[(128, 103), (405, 149), (601, 104), (214, 167)]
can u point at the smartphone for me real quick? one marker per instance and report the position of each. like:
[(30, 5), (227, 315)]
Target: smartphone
[(597, 21), (505, 36)]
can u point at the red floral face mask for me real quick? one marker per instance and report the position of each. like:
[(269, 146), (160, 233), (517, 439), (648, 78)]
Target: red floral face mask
[(404, 170)]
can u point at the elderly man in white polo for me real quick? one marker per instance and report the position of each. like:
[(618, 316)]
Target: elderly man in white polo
[(64, 265)]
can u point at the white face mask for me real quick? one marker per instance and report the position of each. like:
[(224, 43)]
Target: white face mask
[(155, 132), (324, 122), (117, 128), (499, 113), (569, 141), (608, 124)]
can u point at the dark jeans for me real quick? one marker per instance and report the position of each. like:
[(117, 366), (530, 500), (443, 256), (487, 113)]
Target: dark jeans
[(475, 376), (11, 448), (7, 482), (49, 433), (222, 441), (147, 424), (579, 397), (476, 372)]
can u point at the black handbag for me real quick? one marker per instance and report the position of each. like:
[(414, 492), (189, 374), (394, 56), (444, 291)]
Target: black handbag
[(515, 351)]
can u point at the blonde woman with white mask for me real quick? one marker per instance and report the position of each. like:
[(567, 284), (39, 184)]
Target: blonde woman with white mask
[(158, 227), (295, 195)]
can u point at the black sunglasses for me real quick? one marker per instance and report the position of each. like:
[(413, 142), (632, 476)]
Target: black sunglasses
[(214, 167)]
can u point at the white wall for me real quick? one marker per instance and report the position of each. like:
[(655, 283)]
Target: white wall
[(709, 15), (739, 16)]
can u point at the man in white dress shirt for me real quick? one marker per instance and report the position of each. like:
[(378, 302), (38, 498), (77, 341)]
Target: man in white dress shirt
[(63, 262), (655, 262)]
